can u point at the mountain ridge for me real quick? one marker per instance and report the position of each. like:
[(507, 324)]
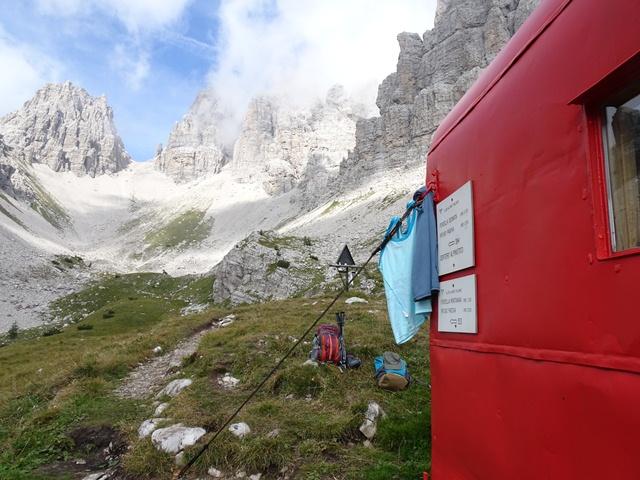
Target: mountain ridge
[(67, 129), (327, 172)]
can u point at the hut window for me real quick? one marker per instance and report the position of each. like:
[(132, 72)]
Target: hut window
[(621, 136)]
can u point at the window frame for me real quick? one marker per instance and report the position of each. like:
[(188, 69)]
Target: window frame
[(600, 186), (623, 82)]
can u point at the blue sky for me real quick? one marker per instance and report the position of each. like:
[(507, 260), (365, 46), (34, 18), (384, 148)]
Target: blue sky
[(150, 76), (151, 57)]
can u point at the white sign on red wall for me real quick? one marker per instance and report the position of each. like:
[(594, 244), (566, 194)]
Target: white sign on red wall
[(457, 310), (454, 216)]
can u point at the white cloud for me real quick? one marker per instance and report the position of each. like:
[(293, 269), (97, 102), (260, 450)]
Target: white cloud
[(142, 19), (131, 63), (300, 48), (136, 15), (24, 71)]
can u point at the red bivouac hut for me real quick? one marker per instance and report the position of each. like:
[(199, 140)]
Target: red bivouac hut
[(542, 159)]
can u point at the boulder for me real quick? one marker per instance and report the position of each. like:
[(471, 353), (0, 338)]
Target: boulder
[(240, 430), (175, 438), (148, 426), (159, 409), (352, 300), (370, 424), (227, 381), (175, 387), (214, 472), (226, 321)]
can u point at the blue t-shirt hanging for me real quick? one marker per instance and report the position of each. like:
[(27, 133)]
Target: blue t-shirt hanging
[(396, 265), (424, 279)]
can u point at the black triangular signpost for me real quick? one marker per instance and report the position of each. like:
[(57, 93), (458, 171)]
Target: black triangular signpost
[(343, 264), (345, 257)]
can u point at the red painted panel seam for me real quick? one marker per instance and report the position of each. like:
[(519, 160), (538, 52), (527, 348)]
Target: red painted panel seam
[(607, 362)]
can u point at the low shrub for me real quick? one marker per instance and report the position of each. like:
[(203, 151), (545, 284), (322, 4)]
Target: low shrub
[(51, 331), (13, 331)]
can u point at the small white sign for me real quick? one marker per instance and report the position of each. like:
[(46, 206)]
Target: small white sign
[(455, 231), (457, 305)]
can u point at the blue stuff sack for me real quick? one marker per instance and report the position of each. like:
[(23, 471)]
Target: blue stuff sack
[(391, 371)]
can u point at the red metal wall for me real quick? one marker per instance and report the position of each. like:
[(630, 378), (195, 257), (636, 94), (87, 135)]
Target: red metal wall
[(549, 388)]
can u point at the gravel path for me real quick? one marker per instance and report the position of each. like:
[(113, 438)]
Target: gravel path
[(150, 377)]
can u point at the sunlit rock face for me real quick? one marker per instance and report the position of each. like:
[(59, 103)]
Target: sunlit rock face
[(194, 148), (283, 146), (432, 74), (67, 129)]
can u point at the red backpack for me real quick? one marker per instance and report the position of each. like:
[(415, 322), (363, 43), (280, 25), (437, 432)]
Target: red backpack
[(327, 345)]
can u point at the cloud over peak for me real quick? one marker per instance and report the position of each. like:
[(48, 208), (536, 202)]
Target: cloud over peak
[(300, 49)]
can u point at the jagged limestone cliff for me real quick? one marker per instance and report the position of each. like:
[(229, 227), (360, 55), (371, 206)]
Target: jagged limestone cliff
[(194, 147), (283, 147), (277, 146), (65, 128), (432, 74)]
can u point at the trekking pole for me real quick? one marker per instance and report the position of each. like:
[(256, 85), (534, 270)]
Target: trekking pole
[(340, 317)]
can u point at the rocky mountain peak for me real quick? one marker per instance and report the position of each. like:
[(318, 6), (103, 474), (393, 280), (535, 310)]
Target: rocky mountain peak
[(68, 129), (278, 144), (284, 147), (194, 146), (432, 74)]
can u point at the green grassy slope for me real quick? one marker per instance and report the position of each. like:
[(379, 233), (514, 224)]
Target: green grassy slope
[(188, 228), (50, 386)]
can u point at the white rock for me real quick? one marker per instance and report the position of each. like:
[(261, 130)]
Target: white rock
[(370, 424), (175, 387), (98, 476), (157, 349), (226, 321), (148, 426), (160, 408), (227, 381), (310, 363), (214, 472), (240, 430), (351, 300), (191, 309), (255, 476), (176, 437)]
